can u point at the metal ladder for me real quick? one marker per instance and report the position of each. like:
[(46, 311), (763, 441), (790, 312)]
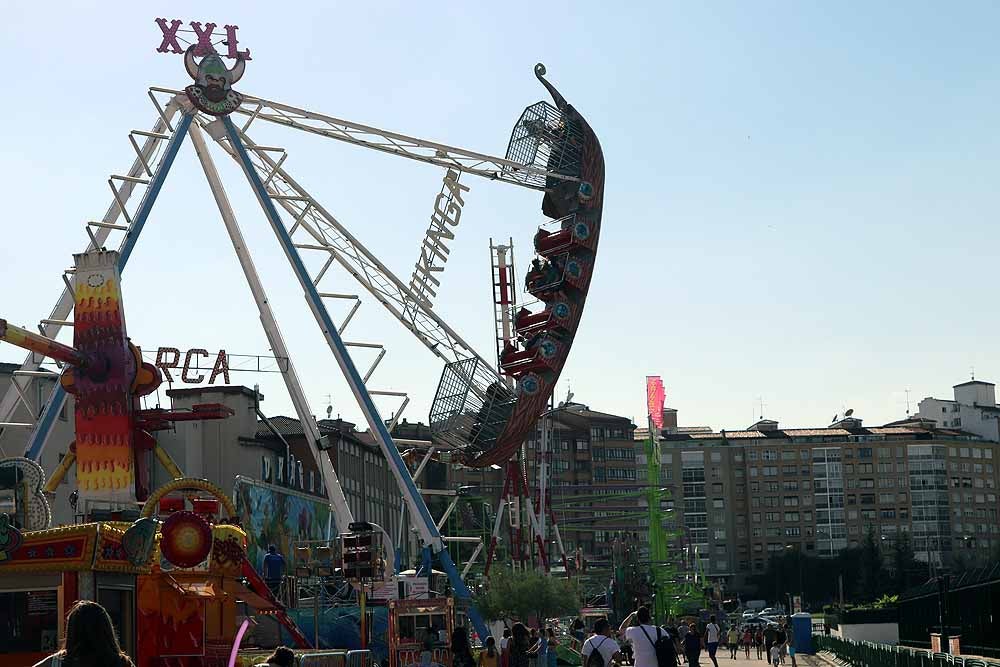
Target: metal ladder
[(115, 229)]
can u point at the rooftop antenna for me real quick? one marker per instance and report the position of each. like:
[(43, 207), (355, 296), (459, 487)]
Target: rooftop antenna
[(907, 392), (329, 405), (760, 402), (972, 372)]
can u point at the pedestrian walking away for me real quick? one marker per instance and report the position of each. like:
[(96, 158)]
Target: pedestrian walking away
[(775, 654), (461, 651), (600, 649), (489, 656), (733, 641), (758, 642), (274, 570), (90, 640), (505, 648), (770, 633), (518, 646), (643, 636), (682, 630), (747, 641), (712, 633), (692, 646)]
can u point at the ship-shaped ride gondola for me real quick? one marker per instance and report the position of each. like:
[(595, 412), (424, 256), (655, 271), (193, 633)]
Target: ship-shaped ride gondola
[(474, 409)]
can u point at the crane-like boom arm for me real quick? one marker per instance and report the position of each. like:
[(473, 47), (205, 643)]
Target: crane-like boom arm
[(422, 150)]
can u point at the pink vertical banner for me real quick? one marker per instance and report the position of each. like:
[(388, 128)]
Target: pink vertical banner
[(655, 396)]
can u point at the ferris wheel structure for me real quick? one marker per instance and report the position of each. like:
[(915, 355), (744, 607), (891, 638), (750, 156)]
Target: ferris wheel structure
[(482, 409)]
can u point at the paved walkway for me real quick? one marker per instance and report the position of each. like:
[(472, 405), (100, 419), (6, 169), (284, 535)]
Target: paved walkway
[(741, 660)]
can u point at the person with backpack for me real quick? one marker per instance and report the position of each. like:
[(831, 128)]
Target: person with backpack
[(712, 636), (600, 650), (651, 645)]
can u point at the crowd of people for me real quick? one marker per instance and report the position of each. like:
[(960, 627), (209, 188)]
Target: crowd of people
[(91, 641), (642, 643)]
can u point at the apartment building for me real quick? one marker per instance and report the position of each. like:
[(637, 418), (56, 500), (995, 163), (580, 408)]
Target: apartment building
[(591, 478), (740, 496), (973, 409)]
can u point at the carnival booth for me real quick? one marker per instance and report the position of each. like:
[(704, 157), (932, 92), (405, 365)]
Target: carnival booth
[(175, 581)]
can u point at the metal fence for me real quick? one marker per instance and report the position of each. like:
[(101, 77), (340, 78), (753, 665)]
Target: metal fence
[(869, 654)]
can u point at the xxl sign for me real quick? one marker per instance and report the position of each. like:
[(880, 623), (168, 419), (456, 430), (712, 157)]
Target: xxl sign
[(203, 34), (170, 358)]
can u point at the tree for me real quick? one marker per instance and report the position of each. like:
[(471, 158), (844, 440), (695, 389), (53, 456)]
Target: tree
[(522, 595), (905, 567), (870, 581)]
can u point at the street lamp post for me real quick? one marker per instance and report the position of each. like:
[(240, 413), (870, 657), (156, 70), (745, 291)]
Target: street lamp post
[(798, 558)]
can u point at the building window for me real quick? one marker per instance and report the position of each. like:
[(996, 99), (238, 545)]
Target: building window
[(718, 503), (770, 471), (716, 457)]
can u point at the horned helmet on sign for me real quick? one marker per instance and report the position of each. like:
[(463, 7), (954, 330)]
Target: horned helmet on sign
[(212, 91)]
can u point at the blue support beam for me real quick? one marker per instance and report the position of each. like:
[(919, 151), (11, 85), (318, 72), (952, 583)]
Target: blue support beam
[(40, 434), (415, 502)]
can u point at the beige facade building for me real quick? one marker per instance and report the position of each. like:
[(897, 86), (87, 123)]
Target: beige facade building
[(740, 496)]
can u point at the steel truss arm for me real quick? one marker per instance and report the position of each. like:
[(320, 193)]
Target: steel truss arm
[(315, 229), (274, 338), (136, 179), (429, 534), (422, 150)]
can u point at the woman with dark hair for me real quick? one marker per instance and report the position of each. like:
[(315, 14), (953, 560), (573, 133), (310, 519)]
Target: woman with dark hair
[(461, 652), (520, 642), (489, 656), (505, 648), (90, 640), (282, 657)]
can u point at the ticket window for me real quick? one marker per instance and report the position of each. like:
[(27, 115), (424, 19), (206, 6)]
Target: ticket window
[(29, 621)]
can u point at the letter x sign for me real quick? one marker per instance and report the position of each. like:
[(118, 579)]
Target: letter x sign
[(204, 35)]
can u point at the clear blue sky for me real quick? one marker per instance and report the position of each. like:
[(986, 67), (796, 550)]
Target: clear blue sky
[(801, 197)]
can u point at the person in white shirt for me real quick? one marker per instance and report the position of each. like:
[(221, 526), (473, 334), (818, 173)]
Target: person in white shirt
[(601, 642), (712, 633), (775, 655), (642, 636)]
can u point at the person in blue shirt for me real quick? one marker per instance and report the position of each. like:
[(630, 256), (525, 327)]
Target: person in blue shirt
[(274, 569)]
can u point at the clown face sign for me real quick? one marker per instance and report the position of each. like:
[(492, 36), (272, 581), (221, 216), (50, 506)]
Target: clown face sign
[(212, 91)]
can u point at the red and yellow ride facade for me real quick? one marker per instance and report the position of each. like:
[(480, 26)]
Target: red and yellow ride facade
[(175, 582)]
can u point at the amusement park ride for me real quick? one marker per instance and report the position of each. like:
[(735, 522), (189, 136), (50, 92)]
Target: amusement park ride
[(482, 412)]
